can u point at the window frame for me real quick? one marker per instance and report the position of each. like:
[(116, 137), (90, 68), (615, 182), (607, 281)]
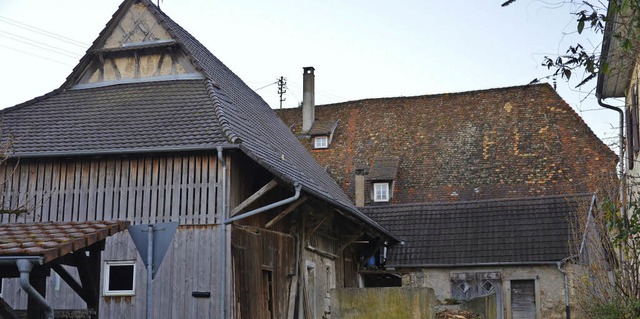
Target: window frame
[(318, 138), (386, 192), (110, 263)]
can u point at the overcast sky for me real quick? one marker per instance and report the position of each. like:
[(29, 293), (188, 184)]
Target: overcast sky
[(359, 48)]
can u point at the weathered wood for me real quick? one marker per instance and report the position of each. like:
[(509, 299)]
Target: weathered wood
[(286, 211), (77, 288), (148, 189), (315, 227), (269, 186), (349, 241)]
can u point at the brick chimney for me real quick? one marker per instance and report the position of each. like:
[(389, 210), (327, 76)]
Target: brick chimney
[(308, 99)]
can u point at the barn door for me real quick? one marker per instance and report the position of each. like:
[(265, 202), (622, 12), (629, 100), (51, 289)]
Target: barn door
[(523, 299)]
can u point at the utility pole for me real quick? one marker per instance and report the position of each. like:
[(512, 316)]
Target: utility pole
[(282, 89)]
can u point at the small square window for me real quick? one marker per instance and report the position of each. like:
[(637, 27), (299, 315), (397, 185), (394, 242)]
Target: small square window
[(321, 142), (119, 278), (381, 192)]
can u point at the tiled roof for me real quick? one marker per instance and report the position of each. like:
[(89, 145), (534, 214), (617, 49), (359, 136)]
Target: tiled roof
[(525, 230), (323, 127), (383, 169), (53, 240), (119, 118), (222, 109), (498, 143)]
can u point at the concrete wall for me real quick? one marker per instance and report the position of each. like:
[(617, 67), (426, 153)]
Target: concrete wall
[(387, 303), (486, 306), (549, 285)]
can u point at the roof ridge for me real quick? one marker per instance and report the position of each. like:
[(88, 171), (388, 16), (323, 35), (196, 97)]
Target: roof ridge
[(435, 95), (219, 112)]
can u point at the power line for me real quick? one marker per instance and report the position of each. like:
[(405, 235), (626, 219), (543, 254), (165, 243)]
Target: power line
[(38, 44), (36, 55), (268, 85), (43, 32)]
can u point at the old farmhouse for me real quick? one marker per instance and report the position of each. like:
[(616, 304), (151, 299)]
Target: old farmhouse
[(151, 127), (479, 185)]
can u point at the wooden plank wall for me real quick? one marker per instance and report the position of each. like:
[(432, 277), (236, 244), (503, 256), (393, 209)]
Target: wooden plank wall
[(145, 189), (191, 264), (254, 251)]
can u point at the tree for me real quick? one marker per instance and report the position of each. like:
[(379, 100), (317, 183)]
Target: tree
[(594, 16)]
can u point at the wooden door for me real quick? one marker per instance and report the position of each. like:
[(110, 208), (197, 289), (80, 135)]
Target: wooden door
[(523, 299)]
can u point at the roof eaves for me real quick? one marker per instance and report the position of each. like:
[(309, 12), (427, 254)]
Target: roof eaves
[(146, 150)]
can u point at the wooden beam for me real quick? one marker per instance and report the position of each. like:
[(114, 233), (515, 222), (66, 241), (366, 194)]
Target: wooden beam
[(269, 186), (286, 212), (70, 281), (316, 227), (351, 240)]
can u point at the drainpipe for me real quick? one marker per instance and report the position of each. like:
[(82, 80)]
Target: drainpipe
[(24, 266), (623, 202), (223, 213), (566, 286), (256, 211)]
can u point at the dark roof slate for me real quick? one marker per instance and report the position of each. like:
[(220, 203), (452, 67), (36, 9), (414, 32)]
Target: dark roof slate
[(384, 169), (119, 118), (524, 230), (223, 108), (497, 143)]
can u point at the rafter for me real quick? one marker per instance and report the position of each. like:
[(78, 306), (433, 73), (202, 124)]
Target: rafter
[(286, 212), (269, 186)]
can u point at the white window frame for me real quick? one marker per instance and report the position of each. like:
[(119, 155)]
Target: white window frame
[(109, 264), (381, 189), (321, 141)]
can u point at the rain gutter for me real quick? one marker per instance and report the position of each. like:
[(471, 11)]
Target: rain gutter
[(116, 151), (623, 202), (256, 211), (223, 240)]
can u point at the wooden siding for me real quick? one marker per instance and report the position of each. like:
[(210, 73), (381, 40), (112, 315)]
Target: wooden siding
[(255, 252), (142, 190), (191, 264)]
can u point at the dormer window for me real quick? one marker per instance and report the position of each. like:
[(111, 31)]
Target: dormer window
[(321, 133), (382, 176), (321, 141), (381, 192)]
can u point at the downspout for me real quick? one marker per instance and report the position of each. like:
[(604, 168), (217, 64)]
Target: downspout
[(256, 211), (566, 286), (25, 266), (623, 202), (223, 213)]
